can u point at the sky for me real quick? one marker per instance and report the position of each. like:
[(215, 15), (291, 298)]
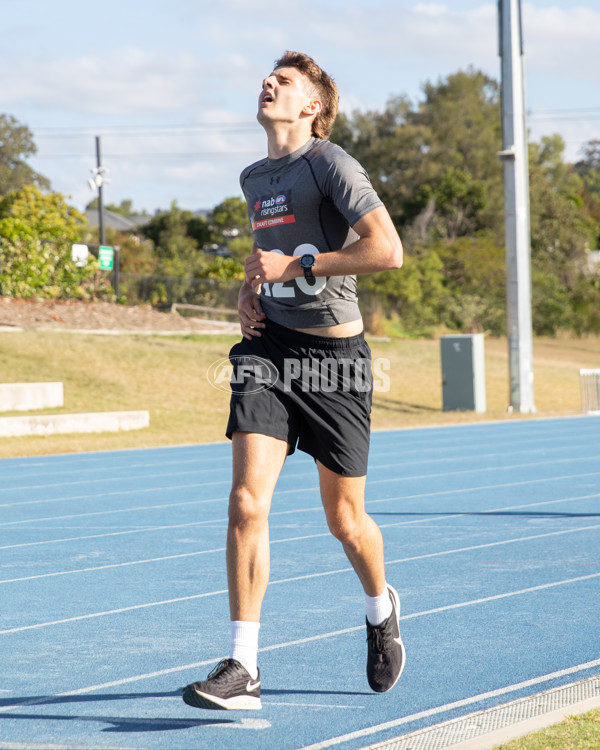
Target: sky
[(171, 86)]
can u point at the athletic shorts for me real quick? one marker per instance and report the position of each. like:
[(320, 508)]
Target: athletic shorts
[(313, 392)]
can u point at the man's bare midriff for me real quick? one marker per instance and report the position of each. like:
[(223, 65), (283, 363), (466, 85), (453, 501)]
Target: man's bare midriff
[(339, 331)]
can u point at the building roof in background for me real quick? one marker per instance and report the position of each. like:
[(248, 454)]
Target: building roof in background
[(116, 221)]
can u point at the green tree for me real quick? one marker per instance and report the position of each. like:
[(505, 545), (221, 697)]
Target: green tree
[(449, 207), (16, 144), (562, 233), (411, 297), (223, 269), (474, 284), (231, 228), (434, 165), (240, 248), (588, 169), (36, 234), (230, 218), (176, 234)]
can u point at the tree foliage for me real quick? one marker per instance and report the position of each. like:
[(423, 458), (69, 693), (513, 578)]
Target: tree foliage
[(16, 144), (36, 235), (435, 166)]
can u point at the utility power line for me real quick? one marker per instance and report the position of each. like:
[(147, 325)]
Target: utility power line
[(154, 155), (139, 131)]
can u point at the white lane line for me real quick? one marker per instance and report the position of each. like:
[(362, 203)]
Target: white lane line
[(458, 459), (319, 508), (77, 465), (488, 470), (491, 544), (54, 746), (367, 731), (313, 705), (121, 492), (118, 611), (135, 508), (95, 496), (301, 641), (191, 597), (303, 490), (103, 480), (311, 537), (372, 467), (530, 443), (227, 482), (116, 511)]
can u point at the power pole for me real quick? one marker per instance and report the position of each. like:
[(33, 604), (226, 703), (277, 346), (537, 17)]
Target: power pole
[(516, 201), (98, 181)]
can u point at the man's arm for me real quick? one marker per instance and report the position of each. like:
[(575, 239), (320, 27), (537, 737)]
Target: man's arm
[(378, 249), (250, 310)]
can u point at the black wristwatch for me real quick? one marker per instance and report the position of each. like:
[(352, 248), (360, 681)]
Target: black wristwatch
[(307, 262)]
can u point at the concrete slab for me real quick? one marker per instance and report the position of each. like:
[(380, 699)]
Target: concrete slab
[(53, 424), (26, 396)]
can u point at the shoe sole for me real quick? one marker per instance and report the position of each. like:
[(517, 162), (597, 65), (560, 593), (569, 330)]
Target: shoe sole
[(193, 697)]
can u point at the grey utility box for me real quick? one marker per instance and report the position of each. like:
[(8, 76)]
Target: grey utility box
[(463, 372)]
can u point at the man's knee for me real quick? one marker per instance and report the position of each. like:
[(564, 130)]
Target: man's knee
[(246, 507), (347, 526)]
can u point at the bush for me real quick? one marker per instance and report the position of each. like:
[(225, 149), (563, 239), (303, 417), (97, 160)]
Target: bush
[(36, 234)]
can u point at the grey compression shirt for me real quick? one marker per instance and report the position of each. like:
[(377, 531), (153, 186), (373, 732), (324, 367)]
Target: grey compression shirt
[(307, 202)]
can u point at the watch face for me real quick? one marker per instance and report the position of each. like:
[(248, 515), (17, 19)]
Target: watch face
[(307, 261)]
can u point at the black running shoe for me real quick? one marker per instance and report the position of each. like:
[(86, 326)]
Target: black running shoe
[(228, 687), (386, 656)]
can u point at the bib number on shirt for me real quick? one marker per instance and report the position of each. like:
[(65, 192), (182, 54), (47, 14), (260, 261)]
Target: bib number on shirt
[(278, 289)]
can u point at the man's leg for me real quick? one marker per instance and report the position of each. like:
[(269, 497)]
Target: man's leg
[(257, 463), (343, 501)]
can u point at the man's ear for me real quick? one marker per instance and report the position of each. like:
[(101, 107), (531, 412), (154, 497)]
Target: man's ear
[(312, 108)]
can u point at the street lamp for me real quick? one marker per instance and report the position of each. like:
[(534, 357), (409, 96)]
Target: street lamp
[(96, 182)]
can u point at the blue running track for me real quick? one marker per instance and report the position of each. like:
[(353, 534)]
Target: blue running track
[(113, 589)]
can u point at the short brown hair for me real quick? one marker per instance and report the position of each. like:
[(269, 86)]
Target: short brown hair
[(324, 87)]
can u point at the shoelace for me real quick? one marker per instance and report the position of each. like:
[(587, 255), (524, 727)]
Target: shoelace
[(221, 666), (376, 638)]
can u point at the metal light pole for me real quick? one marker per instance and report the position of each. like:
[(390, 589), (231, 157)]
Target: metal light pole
[(516, 201), (98, 181)]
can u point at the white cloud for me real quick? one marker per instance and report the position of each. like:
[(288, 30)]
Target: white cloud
[(125, 81), (564, 43), (190, 65)]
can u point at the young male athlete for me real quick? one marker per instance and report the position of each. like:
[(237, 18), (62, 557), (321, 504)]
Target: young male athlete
[(317, 222)]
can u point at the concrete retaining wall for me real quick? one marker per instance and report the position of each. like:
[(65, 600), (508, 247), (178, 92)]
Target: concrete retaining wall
[(25, 396), (53, 424)]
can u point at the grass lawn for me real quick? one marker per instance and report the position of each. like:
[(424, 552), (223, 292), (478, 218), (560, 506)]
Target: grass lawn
[(574, 733), (168, 377)]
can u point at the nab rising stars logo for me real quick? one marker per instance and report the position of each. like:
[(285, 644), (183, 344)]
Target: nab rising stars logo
[(273, 210)]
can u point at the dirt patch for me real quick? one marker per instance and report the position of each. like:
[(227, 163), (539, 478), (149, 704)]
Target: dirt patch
[(79, 315)]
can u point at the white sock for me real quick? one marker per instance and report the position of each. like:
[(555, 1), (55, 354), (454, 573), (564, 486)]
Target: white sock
[(378, 608), (244, 645)]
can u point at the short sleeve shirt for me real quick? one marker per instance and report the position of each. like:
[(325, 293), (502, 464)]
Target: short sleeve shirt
[(307, 203)]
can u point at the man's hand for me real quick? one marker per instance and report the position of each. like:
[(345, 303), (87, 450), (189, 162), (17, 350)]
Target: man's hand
[(270, 267), (250, 311)]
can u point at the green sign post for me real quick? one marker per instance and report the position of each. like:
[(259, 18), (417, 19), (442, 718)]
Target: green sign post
[(106, 256)]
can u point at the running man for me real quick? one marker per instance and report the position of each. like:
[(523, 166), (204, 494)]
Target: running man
[(317, 222)]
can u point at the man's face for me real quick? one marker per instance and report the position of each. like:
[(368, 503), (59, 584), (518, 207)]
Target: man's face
[(285, 93)]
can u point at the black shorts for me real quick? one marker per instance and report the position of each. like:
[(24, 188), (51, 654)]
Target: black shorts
[(313, 392)]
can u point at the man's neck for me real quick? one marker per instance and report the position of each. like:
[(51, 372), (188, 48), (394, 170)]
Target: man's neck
[(282, 142)]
